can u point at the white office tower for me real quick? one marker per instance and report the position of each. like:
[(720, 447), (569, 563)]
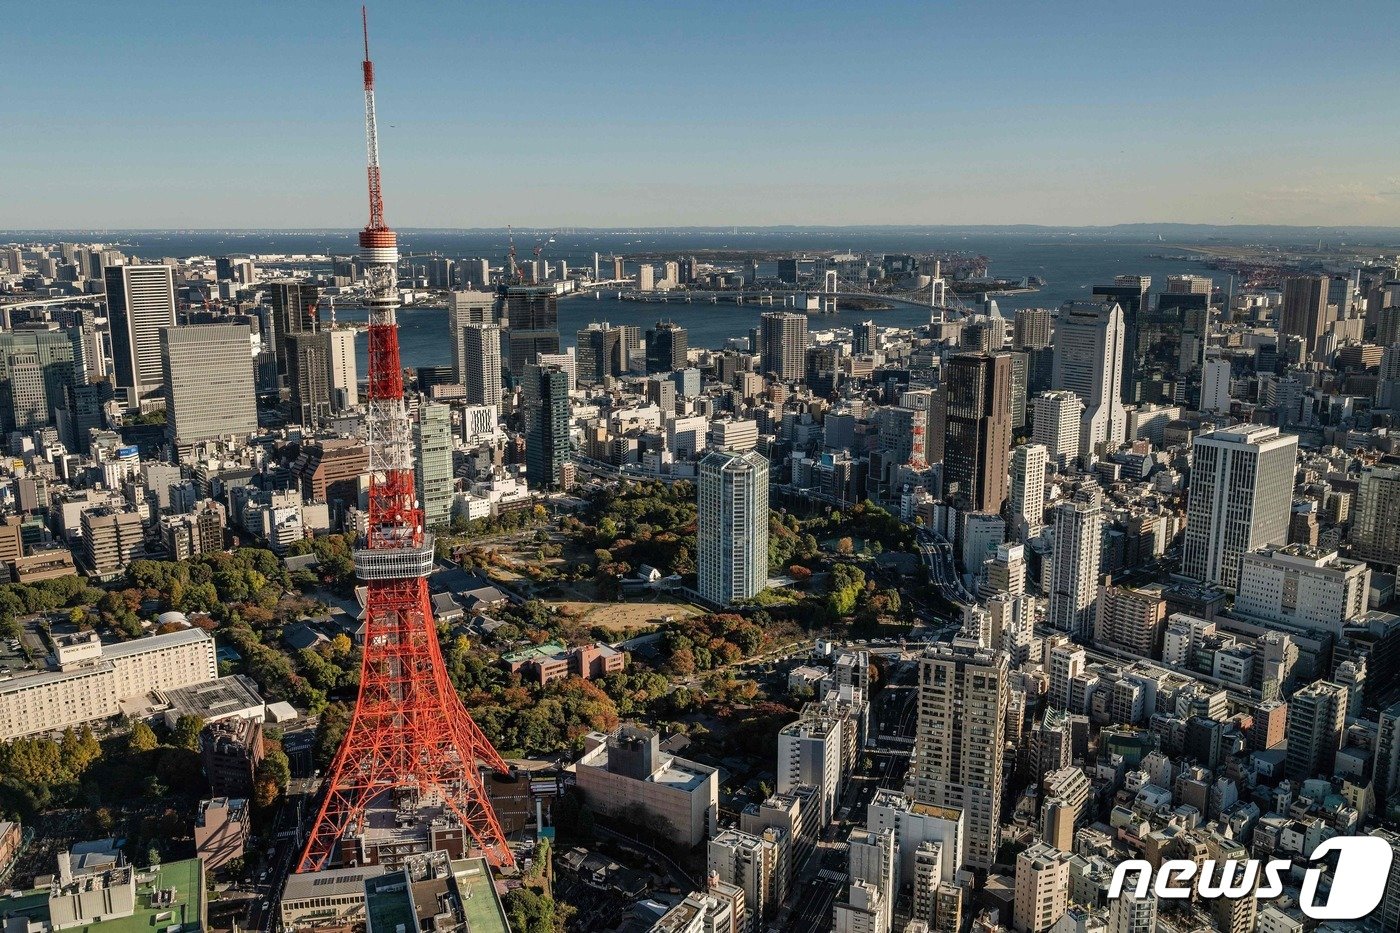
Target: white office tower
[(872, 858), (1059, 417), (1131, 914), (1074, 566), (140, 302), (481, 366), (1215, 385), (863, 911), (345, 373), (958, 748), (1240, 499), (732, 528), (1028, 462), (1089, 363)]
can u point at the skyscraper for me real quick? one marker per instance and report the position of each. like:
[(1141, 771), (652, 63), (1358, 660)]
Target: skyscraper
[(1074, 566), (432, 438), (1375, 534), (38, 369), (1130, 294), (309, 376), (1058, 420), (1304, 312), (1027, 491), (958, 747), (1240, 498), (977, 431), (481, 363), (1088, 362), (345, 387), (468, 308), (140, 301), (208, 374), (732, 529), (293, 312), (547, 428), (530, 317), (599, 349), (783, 344), (667, 344)]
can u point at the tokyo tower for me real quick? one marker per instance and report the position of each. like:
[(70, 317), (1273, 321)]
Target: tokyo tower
[(411, 742)]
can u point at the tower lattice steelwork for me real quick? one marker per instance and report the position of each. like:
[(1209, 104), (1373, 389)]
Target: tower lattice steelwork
[(411, 742)]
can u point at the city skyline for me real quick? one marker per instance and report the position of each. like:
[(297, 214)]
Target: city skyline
[(1020, 116)]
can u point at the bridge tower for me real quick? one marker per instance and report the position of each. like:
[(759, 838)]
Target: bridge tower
[(829, 292), (411, 743)]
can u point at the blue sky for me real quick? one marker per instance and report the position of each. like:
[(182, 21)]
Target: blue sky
[(204, 114)]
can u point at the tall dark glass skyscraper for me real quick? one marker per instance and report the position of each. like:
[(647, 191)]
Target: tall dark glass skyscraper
[(667, 344), (530, 316), (547, 428)]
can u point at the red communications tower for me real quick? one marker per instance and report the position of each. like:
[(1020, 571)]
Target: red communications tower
[(411, 742)]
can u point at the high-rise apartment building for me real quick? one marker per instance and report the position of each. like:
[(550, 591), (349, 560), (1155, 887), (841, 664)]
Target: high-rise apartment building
[(977, 430), (1130, 620), (530, 317), (547, 428), (783, 345), (1304, 312), (1027, 489), (1074, 566), (208, 374), (872, 856), (958, 748), (432, 441), (480, 370), (667, 345), (1241, 496), (1089, 363), (1031, 330), (140, 302), (1375, 532), (1042, 888), (1316, 721), (732, 529), (757, 863), (1058, 417)]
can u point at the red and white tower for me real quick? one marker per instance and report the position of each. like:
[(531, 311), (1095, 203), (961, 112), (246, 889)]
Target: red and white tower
[(411, 742)]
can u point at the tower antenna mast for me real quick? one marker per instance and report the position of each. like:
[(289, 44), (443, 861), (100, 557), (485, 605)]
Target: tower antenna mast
[(411, 743)]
